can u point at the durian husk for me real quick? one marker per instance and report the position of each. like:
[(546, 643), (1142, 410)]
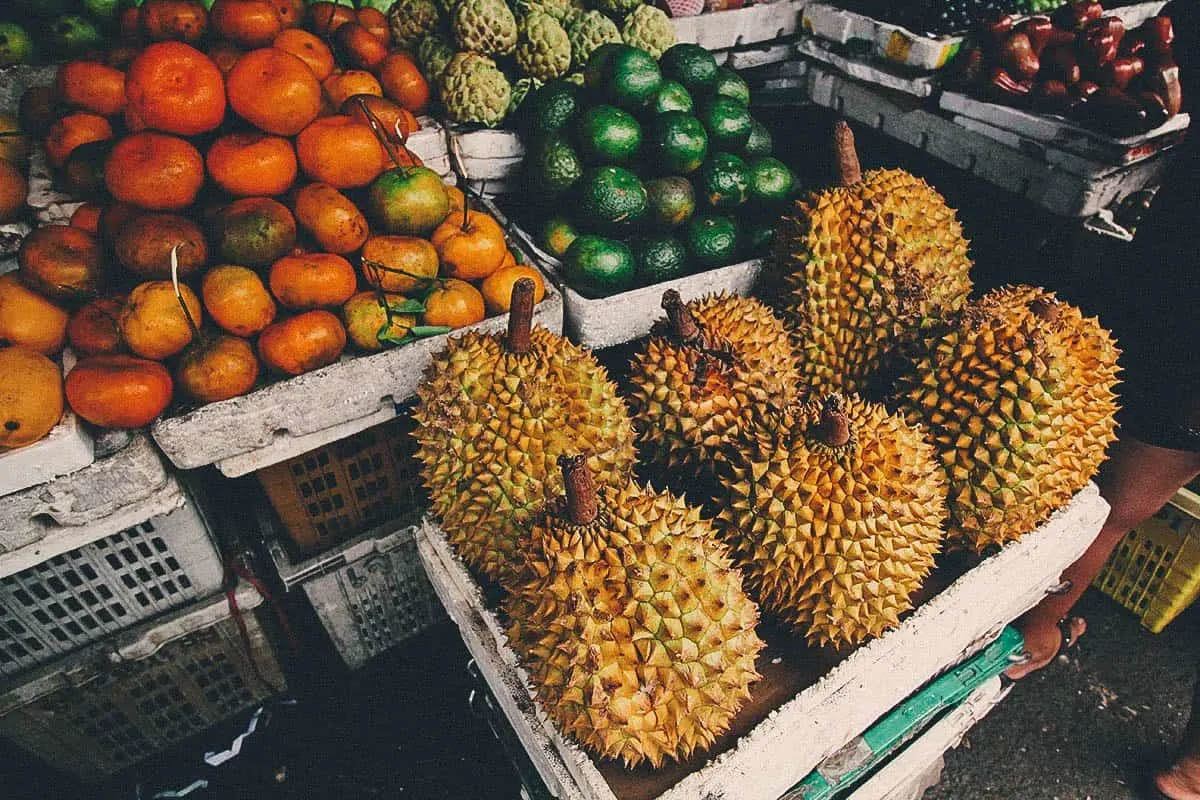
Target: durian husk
[(637, 636), (686, 420), (1018, 394), (834, 539), (490, 427)]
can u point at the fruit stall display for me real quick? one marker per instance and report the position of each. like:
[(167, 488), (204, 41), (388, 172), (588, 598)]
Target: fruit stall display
[(250, 214)]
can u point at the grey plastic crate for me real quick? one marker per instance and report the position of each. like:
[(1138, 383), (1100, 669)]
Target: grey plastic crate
[(370, 593)]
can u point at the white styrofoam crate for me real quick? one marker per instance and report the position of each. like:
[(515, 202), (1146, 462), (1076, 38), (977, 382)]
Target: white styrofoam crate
[(293, 416), (89, 582), (889, 42), (489, 160), (370, 593), (112, 704), (719, 30), (879, 74), (782, 749), (68, 447), (623, 317), (429, 144), (757, 56)]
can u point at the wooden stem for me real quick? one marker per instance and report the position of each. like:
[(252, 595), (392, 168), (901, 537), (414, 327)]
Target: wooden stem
[(187, 314), (834, 427), (849, 170), (582, 503), (377, 128), (1044, 309), (520, 316), (704, 367), (682, 322)]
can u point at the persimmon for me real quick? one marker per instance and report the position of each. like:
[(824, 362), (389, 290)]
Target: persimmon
[(359, 46), (61, 263), (216, 367), (93, 328), (115, 390), (28, 319), (175, 88), (154, 171), (13, 191), (275, 91), (247, 164), (397, 122), (457, 199), (254, 231), (509, 261), (307, 47), (326, 18), (291, 13), (341, 152), (133, 122), (344, 84), (92, 87), (236, 299), (316, 280), (179, 20), (470, 245), (370, 315), (31, 396), (73, 130), (454, 303), (224, 55), (152, 321), (402, 80), (302, 343), (330, 218), (249, 23), (409, 200), (399, 263), (87, 217), (113, 218), (497, 287), (121, 55), (144, 245), (83, 174), (376, 22)]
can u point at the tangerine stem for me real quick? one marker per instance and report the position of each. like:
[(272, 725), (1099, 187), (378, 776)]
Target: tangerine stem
[(377, 129), (187, 314)]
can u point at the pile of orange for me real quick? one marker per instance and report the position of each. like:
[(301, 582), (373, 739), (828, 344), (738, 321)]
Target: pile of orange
[(256, 152)]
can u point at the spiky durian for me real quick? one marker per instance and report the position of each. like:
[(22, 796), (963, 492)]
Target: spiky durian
[(494, 414), (707, 373), (638, 638), (835, 519), (867, 267), (1018, 395)]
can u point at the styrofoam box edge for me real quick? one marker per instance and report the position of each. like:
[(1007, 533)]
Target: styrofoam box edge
[(922, 86), (785, 747), (313, 405), (891, 42), (724, 29), (138, 643)]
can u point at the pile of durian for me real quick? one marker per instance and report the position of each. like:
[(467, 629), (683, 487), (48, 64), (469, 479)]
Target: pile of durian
[(484, 57), (873, 418)]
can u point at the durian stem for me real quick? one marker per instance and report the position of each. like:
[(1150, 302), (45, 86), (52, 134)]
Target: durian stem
[(682, 323), (1044, 310), (704, 367), (834, 428), (849, 170), (582, 504), (520, 316)]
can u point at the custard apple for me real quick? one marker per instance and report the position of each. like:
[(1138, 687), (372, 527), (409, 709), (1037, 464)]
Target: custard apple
[(434, 53), (650, 29), (561, 10), (410, 20), (618, 8), (485, 26), (474, 89), (545, 49), (591, 30)]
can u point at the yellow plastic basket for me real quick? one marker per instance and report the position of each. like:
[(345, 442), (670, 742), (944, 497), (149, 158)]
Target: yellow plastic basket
[(1155, 570)]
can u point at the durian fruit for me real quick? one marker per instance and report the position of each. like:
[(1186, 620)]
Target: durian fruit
[(434, 53), (650, 29), (544, 51), (868, 267), (638, 638), (590, 30), (1018, 396), (706, 375), (485, 26), (835, 518), (412, 20), (618, 8), (473, 89), (494, 414)]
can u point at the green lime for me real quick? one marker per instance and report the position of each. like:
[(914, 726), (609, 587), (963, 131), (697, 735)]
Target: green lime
[(723, 181), (760, 142), (729, 84), (691, 65), (557, 235), (712, 240), (73, 33), (597, 267), (552, 166), (102, 9), (728, 123), (671, 96), (677, 143), (610, 197), (593, 72), (552, 106), (771, 182), (608, 135), (15, 45), (658, 258), (672, 200), (630, 77)]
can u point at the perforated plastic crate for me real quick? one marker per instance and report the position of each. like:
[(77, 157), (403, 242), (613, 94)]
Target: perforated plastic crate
[(117, 702), (370, 593), (1155, 570), (79, 595)]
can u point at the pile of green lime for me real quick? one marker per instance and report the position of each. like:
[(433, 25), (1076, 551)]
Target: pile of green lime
[(50, 30), (652, 170)]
